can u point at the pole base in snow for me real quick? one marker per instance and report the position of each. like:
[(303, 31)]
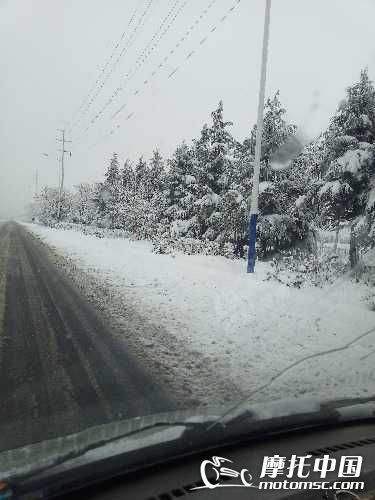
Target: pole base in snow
[(252, 241)]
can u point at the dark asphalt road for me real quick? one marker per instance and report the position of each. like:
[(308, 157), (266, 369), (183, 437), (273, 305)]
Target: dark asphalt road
[(61, 370)]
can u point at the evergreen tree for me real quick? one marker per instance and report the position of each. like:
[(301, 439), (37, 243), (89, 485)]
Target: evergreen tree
[(142, 178), (275, 133), (229, 222), (241, 173), (157, 172), (214, 152), (110, 191), (112, 175), (354, 119), (183, 192), (127, 176), (349, 158)]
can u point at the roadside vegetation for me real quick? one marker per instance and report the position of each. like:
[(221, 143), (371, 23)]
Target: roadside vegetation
[(197, 201)]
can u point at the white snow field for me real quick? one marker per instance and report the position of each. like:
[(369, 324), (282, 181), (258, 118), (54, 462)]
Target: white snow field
[(244, 330)]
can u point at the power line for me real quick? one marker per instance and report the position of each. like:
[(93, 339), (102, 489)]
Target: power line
[(123, 52), (142, 58), (72, 122), (146, 52), (171, 52), (129, 42), (164, 21), (165, 59)]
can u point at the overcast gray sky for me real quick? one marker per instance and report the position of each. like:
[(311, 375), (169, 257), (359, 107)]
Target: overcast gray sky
[(52, 52)]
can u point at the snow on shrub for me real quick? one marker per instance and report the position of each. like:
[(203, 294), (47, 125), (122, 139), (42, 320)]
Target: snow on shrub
[(93, 230), (189, 246), (278, 232), (297, 268)]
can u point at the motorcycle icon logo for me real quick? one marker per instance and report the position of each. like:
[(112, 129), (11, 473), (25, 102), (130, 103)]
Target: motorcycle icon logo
[(216, 467)]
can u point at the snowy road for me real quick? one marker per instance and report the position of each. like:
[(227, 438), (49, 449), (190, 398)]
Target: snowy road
[(61, 370)]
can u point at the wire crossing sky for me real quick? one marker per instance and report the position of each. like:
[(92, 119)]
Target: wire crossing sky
[(147, 51), (124, 50), (104, 68), (66, 65), (172, 51)]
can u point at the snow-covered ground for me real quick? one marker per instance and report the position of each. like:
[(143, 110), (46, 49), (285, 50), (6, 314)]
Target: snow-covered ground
[(241, 329)]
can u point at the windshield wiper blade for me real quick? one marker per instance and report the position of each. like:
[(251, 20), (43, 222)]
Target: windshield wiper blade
[(80, 466), (325, 412), (76, 453)]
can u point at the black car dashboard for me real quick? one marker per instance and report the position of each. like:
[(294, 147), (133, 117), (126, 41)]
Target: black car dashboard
[(182, 478)]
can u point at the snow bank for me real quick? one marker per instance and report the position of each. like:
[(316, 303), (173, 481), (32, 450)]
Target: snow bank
[(247, 329)]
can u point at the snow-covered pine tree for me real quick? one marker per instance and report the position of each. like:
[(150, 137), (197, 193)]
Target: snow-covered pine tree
[(242, 168), (142, 178), (100, 198), (127, 177), (275, 133), (110, 191), (280, 226), (349, 160), (214, 152), (300, 183), (354, 119), (125, 196), (158, 200), (182, 193), (112, 175), (229, 221), (157, 171)]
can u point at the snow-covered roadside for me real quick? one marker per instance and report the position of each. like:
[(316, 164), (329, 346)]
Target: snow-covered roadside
[(236, 327)]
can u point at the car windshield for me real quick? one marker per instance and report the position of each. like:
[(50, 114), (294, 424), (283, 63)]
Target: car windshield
[(187, 212)]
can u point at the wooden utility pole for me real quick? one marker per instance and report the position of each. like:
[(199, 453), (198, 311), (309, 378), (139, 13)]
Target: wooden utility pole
[(62, 172)]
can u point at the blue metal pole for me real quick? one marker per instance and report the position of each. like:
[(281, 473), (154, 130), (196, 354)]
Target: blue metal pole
[(252, 240), (258, 145)]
